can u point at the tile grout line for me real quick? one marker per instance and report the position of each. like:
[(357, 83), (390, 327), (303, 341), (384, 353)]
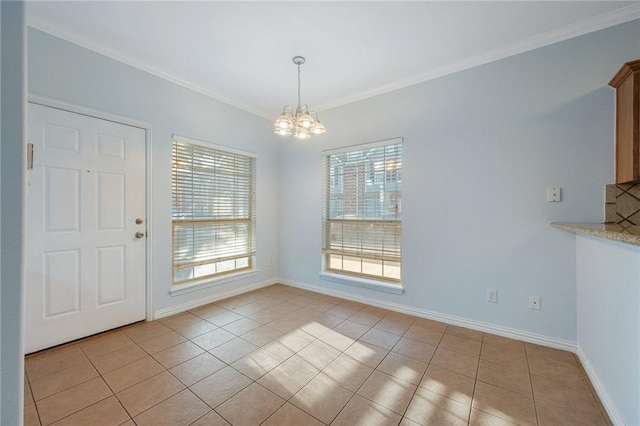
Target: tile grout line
[(77, 411), (533, 395), (327, 366), (34, 401), (403, 415), (475, 381), (309, 381), (389, 351), (354, 393)]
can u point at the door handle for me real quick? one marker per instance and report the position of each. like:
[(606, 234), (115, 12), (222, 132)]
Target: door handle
[(139, 234)]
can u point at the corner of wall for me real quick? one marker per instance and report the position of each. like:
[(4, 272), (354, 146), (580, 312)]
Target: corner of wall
[(173, 310)]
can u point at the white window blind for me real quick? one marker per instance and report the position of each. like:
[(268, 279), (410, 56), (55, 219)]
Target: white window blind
[(213, 211), (362, 225)]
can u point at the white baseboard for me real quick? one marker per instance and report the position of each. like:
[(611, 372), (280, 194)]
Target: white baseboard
[(612, 409), (166, 312), (512, 333)]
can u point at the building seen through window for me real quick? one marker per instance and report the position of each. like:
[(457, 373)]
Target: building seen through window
[(363, 211)]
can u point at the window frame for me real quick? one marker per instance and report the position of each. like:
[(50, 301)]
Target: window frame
[(379, 282), (195, 283)]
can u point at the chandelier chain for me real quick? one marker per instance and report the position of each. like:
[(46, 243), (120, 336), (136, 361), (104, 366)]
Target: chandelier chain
[(298, 85)]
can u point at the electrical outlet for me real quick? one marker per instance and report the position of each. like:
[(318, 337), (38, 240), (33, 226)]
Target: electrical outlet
[(553, 194), (534, 302), (492, 295)]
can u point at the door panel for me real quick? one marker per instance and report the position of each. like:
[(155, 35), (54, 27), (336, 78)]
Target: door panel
[(61, 199), (61, 282), (85, 268), (111, 276), (60, 138), (110, 198)]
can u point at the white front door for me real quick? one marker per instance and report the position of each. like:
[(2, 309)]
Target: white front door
[(85, 204)]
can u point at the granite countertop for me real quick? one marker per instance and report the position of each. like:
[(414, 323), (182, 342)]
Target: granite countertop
[(609, 231)]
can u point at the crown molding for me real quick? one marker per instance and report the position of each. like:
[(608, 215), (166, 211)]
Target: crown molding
[(609, 19), (42, 24), (605, 20)]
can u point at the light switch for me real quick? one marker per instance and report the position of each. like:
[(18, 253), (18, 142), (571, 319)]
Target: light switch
[(553, 194)]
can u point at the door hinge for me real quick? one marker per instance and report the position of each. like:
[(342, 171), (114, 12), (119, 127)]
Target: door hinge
[(29, 156)]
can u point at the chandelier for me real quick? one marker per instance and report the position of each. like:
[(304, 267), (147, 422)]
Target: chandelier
[(302, 123)]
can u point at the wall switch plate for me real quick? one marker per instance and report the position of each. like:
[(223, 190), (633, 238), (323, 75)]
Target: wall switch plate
[(492, 295), (553, 195), (534, 302)]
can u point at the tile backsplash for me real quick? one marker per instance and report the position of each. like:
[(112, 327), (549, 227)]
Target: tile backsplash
[(622, 204)]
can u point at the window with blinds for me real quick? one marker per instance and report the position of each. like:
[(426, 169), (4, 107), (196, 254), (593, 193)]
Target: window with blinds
[(213, 211), (362, 224)]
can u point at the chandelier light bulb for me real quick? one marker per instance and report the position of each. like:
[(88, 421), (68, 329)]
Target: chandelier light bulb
[(282, 132), (318, 128), (284, 121), (306, 121), (302, 133)]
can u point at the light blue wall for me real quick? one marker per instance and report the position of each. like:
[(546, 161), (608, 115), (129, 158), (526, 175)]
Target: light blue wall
[(480, 148), (608, 276), (12, 87), (67, 72)]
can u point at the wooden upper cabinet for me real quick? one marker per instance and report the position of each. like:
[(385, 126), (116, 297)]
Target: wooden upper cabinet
[(627, 85)]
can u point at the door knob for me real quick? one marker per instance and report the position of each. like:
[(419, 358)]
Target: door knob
[(139, 234), (139, 221)]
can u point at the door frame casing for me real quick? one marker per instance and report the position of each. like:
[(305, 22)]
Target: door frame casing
[(148, 145)]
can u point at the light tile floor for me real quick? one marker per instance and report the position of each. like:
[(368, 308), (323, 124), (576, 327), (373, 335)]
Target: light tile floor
[(285, 356)]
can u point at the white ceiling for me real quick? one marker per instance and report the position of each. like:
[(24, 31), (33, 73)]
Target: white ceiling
[(240, 52)]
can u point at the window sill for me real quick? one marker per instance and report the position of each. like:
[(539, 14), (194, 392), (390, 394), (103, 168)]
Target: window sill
[(178, 289), (362, 282)]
